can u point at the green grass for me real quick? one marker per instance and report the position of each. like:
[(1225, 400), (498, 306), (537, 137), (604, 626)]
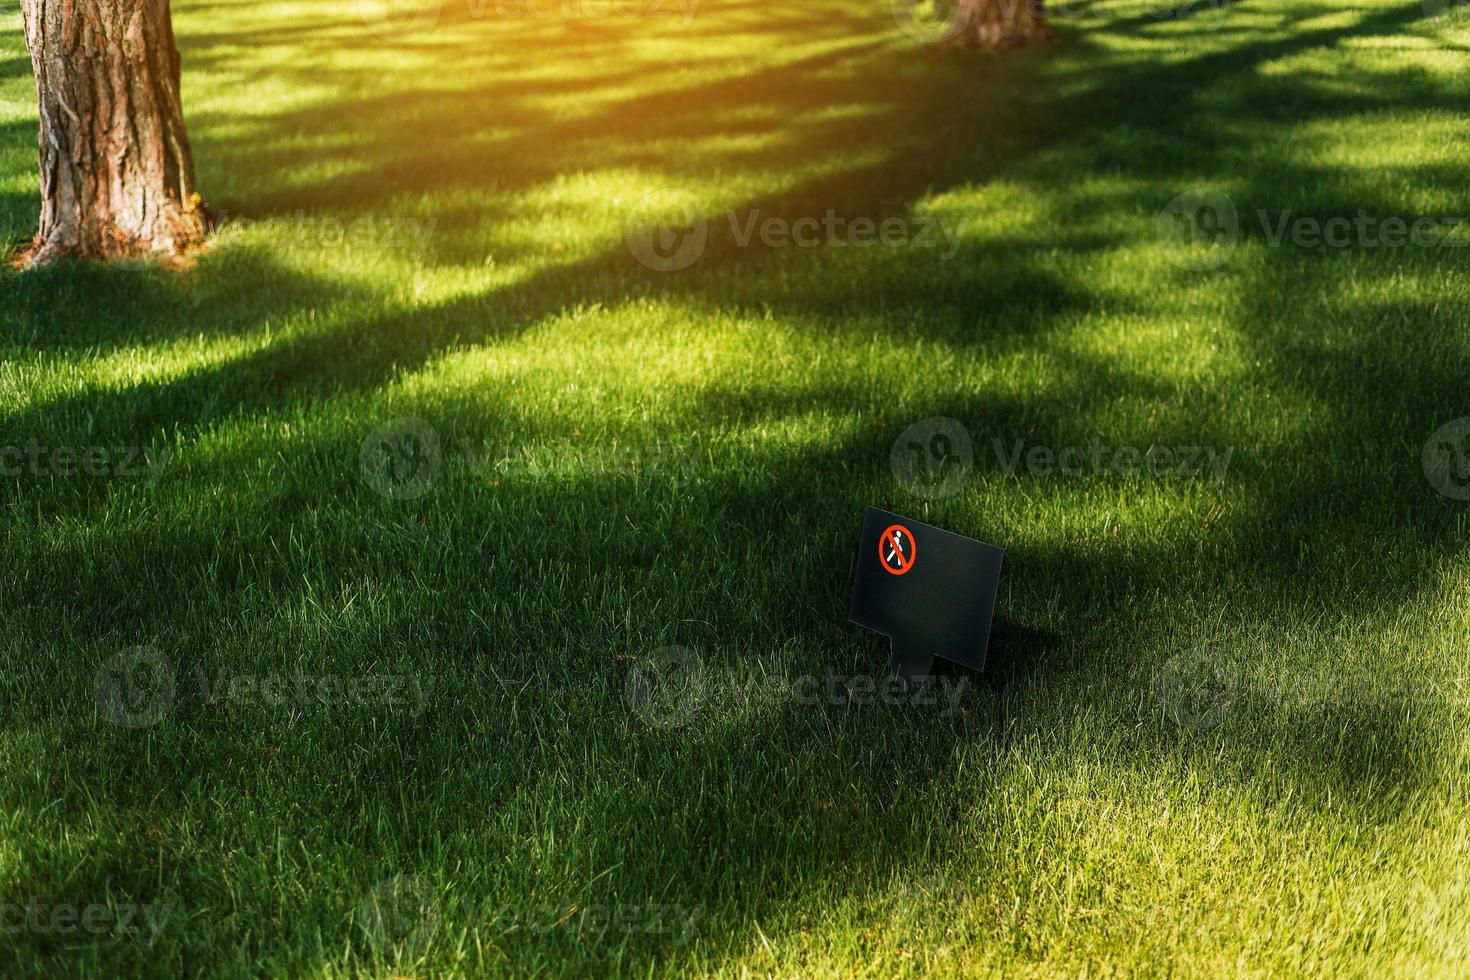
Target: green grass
[(635, 459)]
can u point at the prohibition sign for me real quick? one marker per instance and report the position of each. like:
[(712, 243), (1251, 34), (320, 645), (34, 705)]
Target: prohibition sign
[(897, 549)]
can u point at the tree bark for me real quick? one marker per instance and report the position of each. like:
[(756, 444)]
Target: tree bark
[(117, 175), (998, 24)]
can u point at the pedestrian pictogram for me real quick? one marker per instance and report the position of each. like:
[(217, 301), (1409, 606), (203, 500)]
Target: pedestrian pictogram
[(897, 549)]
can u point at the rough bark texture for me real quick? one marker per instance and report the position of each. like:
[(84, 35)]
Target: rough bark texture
[(998, 24), (117, 176)]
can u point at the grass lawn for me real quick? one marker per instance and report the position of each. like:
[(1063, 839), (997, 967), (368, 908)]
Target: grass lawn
[(274, 708)]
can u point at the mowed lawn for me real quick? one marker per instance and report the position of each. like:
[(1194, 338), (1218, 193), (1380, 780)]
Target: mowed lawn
[(268, 708)]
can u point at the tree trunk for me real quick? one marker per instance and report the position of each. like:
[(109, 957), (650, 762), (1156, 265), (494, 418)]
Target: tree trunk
[(998, 24), (117, 176)]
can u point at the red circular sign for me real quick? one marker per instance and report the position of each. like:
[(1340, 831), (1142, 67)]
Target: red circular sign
[(897, 549)]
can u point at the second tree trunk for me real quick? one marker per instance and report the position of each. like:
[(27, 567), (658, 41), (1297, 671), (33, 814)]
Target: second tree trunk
[(998, 23)]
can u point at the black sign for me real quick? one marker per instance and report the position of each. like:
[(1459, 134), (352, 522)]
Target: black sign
[(931, 591)]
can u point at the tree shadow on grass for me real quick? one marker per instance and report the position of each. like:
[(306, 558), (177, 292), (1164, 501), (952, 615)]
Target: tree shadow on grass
[(749, 811), (739, 811), (943, 145)]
